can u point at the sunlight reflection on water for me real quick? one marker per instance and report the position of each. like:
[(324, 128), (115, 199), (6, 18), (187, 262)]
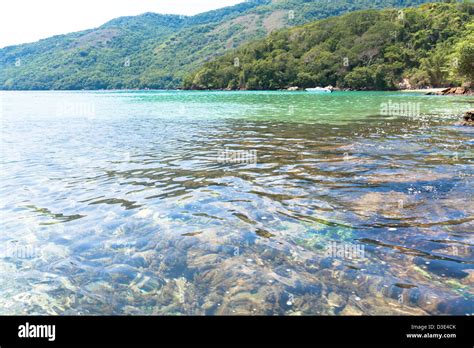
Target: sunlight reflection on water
[(122, 203)]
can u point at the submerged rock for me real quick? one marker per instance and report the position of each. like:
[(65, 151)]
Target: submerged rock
[(121, 274), (204, 262), (351, 310), (177, 296), (457, 306), (445, 268), (387, 204), (335, 300), (173, 264), (147, 283)]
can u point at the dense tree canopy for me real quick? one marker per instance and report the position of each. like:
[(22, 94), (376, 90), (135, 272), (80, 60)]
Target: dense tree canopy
[(157, 51), (432, 45)]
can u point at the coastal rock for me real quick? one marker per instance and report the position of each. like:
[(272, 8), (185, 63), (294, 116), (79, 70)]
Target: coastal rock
[(468, 119), (293, 88), (457, 91)]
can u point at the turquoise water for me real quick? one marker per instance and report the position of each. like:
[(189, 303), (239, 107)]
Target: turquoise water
[(212, 203)]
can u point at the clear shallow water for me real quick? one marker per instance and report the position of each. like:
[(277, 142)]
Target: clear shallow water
[(118, 203)]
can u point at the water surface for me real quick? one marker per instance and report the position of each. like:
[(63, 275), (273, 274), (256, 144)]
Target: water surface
[(121, 203)]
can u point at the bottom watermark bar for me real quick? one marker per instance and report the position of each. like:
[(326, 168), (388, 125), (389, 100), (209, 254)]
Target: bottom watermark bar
[(139, 331)]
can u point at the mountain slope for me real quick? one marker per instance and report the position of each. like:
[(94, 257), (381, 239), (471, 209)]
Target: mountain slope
[(371, 49), (157, 51)]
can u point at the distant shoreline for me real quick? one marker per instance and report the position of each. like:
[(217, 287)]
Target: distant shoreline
[(423, 90), (431, 91)]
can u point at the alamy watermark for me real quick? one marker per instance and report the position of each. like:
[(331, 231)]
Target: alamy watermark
[(17, 250), (237, 156), (409, 109), (345, 251), (77, 109), (345, 62)]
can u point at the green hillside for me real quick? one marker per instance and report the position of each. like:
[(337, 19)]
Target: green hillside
[(432, 45), (158, 51)]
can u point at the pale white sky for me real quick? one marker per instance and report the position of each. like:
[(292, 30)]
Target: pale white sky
[(24, 21)]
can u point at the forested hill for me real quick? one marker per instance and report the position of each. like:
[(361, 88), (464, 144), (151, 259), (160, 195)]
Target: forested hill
[(157, 51), (432, 45)]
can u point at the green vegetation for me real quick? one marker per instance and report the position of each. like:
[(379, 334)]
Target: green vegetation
[(158, 51), (464, 55), (432, 45)]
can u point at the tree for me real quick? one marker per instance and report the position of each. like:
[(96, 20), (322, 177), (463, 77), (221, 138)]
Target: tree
[(360, 78), (434, 66), (464, 56), (361, 50), (466, 61)]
